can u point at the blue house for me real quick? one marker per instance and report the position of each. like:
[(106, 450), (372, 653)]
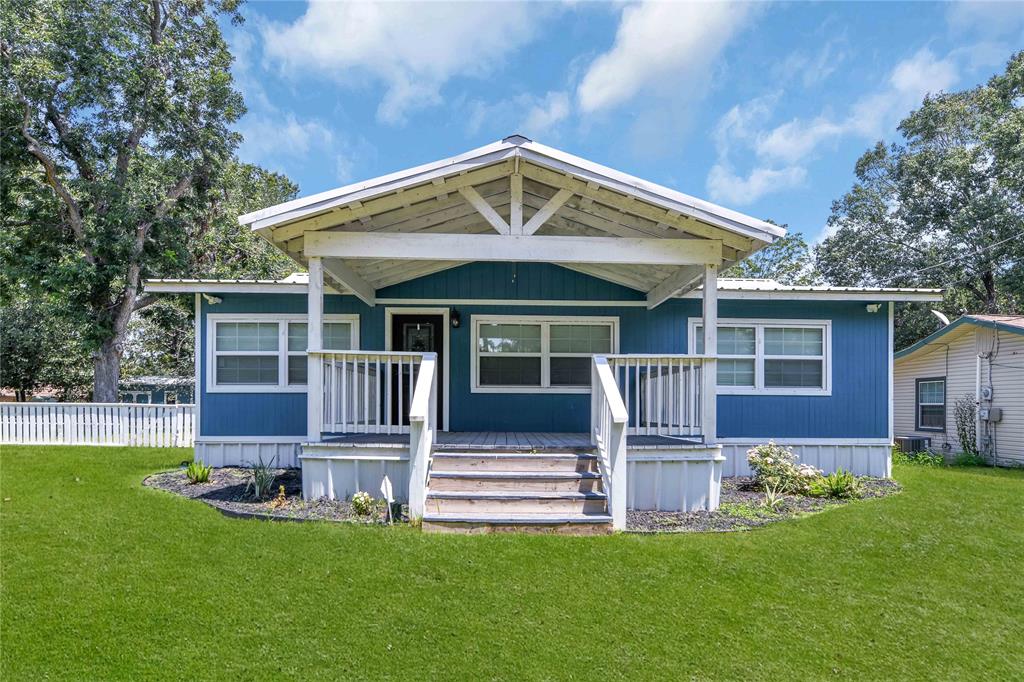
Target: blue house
[(517, 336)]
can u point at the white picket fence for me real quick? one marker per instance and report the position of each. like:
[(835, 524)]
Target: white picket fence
[(151, 426)]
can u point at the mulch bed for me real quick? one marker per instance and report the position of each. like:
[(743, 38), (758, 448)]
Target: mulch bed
[(226, 491), (742, 508)]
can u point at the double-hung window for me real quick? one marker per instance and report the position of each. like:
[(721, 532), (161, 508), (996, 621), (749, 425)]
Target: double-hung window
[(931, 404), (770, 357), (267, 353), (532, 354)]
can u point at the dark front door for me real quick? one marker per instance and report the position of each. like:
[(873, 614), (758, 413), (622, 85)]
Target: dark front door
[(418, 334)]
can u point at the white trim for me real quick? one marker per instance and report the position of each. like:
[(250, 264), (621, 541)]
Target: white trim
[(282, 385), (891, 360), (270, 440), (804, 441), (197, 356), (867, 296), (520, 248), (759, 324), (446, 313), (545, 321), (531, 302)]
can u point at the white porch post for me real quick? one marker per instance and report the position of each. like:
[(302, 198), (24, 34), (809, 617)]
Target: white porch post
[(314, 336), (710, 372)]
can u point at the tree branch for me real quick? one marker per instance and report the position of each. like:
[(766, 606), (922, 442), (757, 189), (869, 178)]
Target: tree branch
[(60, 124), (50, 168)]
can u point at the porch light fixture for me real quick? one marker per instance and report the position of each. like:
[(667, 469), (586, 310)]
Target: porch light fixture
[(212, 300), (456, 319), (873, 307)]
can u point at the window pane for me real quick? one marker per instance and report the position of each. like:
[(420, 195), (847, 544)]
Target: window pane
[(510, 371), (298, 368), (337, 336), (736, 372), (297, 339), (793, 373), (933, 416), (247, 369), (581, 338), (731, 340), (793, 341), (735, 340), (932, 392), (510, 338), (247, 336), (570, 371)]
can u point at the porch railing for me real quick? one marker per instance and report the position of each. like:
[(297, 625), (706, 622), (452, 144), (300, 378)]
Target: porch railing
[(608, 419), (662, 393), (368, 392), (423, 419)]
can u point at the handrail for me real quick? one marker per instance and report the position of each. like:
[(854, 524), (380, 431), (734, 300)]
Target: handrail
[(609, 419), (422, 432)]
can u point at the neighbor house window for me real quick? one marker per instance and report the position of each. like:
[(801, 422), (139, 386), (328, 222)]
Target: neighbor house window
[(931, 404), (770, 356), (531, 354), (268, 352)]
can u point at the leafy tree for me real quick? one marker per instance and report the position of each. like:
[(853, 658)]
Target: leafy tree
[(787, 260), (945, 208), (125, 109)]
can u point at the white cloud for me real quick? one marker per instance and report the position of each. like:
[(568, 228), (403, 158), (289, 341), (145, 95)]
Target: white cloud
[(986, 18), (811, 69), (739, 128), (412, 48), (871, 116), (781, 153), (660, 48), (726, 186), (545, 113)]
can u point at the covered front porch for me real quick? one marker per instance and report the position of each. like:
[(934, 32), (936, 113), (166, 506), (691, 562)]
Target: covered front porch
[(522, 203)]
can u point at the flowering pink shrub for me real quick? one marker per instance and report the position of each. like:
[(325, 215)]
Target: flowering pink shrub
[(777, 467)]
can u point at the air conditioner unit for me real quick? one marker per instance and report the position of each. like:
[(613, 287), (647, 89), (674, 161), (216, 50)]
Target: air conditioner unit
[(909, 445)]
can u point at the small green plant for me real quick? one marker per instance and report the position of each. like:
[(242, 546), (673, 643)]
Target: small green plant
[(925, 459), (839, 485), (776, 466), (773, 496), (261, 478), (197, 472), (743, 510), (965, 414), (362, 503), (970, 459)]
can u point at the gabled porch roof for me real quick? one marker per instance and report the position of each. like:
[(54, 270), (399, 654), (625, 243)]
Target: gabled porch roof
[(513, 200)]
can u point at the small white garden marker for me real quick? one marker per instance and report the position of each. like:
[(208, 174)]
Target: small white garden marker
[(386, 491)]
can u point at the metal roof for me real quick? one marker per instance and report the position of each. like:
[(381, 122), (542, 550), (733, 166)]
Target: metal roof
[(1009, 323)]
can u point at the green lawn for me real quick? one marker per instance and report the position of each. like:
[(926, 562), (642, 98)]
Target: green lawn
[(102, 578)]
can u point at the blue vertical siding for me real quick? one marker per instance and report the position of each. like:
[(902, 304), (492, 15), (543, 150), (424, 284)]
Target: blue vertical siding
[(857, 407)]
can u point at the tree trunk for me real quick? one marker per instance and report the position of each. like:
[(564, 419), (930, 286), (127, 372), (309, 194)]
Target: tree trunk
[(989, 279), (107, 372)]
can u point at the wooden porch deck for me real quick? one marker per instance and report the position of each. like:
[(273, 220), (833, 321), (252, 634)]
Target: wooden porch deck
[(506, 440)]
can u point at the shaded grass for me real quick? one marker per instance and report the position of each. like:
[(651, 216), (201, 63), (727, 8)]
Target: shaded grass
[(103, 578)]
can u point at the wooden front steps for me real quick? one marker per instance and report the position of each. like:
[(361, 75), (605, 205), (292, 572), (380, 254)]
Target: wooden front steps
[(493, 491)]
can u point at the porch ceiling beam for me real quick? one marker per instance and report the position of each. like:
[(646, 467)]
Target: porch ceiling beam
[(546, 211), (515, 217), (534, 248), (485, 209), (680, 281), (344, 274), (388, 202), (630, 205)]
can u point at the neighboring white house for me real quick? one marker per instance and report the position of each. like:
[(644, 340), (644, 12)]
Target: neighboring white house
[(980, 357)]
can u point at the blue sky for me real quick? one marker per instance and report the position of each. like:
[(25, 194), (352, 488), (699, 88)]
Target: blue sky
[(761, 107)]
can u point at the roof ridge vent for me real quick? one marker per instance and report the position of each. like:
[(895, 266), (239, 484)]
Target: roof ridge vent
[(517, 139)]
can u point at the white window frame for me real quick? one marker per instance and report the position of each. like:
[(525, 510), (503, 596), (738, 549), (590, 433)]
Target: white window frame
[(545, 322), (282, 352), (759, 325)]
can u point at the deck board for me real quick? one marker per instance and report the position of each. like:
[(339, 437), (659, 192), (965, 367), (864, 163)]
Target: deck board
[(510, 440)]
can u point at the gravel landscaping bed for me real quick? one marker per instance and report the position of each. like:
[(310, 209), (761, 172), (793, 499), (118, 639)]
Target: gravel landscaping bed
[(742, 508), (226, 491)]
